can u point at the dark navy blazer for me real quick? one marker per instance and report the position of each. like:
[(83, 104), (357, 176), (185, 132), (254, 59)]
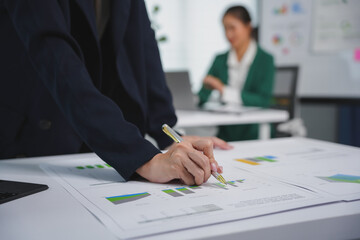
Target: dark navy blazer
[(61, 87)]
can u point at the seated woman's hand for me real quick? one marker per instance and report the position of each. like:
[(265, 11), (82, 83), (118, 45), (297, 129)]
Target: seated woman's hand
[(214, 83)]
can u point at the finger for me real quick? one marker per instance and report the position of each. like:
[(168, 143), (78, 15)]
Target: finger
[(216, 168), (206, 146), (196, 172), (221, 143), (179, 157), (191, 138), (186, 177), (200, 159), (213, 167), (201, 162)]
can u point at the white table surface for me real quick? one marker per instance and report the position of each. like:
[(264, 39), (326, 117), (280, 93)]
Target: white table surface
[(202, 118), (55, 214)]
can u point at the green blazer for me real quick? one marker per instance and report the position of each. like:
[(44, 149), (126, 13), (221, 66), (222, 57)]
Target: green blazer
[(257, 91)]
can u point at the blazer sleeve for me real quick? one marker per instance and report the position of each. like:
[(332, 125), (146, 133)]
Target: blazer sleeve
[(160, 104), (57, 59), (260, 95)]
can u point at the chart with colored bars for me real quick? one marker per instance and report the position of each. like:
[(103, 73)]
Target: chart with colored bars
[(175, 192), (257, 160), (179, 192), (127, 198), (267, 177), (342, 178), (93, 166)]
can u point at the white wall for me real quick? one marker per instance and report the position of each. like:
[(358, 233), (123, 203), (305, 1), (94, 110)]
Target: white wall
[(169, 18), (195, 33)]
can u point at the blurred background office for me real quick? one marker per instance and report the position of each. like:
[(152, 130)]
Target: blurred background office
[(320, 39)]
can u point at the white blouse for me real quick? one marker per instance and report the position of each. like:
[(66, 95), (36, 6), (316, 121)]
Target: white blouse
[(237, 73)]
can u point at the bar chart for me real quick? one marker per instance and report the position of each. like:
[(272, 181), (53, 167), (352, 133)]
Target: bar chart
[(173, 192), (342, 178), (127, 198), (257, 160), (96, 166)]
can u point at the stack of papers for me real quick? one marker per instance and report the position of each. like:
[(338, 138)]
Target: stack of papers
[(263, 178)]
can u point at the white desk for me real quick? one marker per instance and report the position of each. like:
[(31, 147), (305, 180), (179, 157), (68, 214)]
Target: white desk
[(262, 116), (54, 214)]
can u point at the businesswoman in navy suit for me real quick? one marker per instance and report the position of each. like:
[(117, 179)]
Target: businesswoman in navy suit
[(74, 76)]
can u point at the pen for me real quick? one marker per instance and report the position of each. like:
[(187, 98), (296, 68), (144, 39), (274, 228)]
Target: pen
[(171, 133)]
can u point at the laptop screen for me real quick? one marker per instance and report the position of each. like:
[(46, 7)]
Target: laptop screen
[(180, 88)]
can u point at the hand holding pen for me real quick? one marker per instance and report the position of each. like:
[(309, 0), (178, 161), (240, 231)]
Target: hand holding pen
[(172, 134), (190, 161)]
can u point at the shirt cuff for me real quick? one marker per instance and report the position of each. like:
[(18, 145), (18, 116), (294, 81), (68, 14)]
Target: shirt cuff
[(231, 95)]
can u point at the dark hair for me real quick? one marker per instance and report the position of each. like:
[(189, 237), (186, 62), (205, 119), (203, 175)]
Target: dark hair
[(240, 13)]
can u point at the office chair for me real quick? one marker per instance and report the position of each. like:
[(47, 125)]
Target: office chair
[(285, 98)]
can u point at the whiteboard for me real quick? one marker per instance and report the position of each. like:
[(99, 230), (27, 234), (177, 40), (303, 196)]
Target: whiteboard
[(322, 37)]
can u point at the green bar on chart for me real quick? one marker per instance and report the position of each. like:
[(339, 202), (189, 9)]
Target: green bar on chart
[(345, 178), (231, 183), (184, 190), (265, 159), (99, 166), (80, 167), (89, 166), (172, 193), (127, 198), (223, 186)]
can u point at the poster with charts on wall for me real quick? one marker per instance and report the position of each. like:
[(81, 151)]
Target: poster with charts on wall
[(139, 208), (336, 25), (285, 29)]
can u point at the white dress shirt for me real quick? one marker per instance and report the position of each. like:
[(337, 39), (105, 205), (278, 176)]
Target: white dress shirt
[(237, 73)]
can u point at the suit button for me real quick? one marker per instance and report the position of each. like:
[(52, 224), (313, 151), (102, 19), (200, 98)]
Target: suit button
[(44, 124)]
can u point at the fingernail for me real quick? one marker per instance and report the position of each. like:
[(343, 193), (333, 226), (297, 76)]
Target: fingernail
[(213, 167)]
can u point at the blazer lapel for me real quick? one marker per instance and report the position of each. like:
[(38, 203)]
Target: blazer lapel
[(120, 13), (120, 22), (88, 10)]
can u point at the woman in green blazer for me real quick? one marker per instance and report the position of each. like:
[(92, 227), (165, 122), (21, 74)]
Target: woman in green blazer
[(243, 75)]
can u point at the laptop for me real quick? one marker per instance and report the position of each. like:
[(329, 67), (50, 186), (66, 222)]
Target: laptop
[(10, 190), (180, 88), (183, 98)]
